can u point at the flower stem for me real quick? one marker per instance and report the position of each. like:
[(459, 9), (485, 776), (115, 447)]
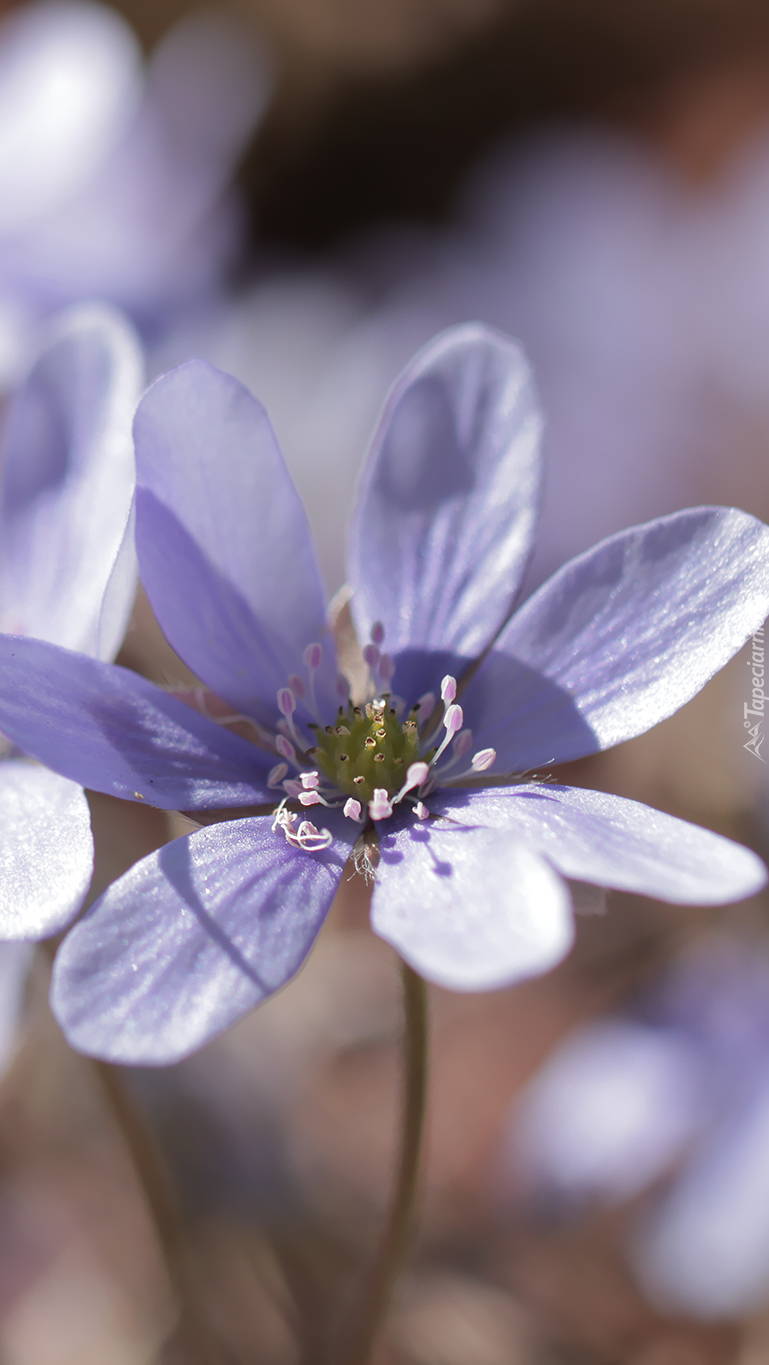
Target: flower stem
[(193, 1343), (398, 1228)]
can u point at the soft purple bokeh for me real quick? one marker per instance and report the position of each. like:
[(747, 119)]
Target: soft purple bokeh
[(671, 1096), (113, 179)]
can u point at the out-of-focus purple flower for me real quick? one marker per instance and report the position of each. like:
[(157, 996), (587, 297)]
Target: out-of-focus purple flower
[(472, 854), (112, 184), (673, 1093), (67, 576)]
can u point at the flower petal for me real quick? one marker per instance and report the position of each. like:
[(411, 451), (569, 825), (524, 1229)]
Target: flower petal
[(448, 503), (704, 1248), (468, 908), (610, 1111), (223, 541), (610, 841), (192, 938), (46, 850), (630, 631), (68, 482), (109, 729)]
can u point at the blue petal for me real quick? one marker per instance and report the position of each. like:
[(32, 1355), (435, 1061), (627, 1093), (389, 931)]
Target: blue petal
[(46, 850), (223, 541), (704, 1248), (109, 729), (629, 632), (610, 841), (192, 938), (444, 525), (469, 909), (67, 483)]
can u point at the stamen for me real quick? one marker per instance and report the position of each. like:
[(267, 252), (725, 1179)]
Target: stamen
[(285, 748), (297, 686), (453, 721), (342, 687), (380, 805), (416, 776), (310, 798), (425, 707), (353, 810), (286, 702), (421, 812), (275, 775), (377, 633), (483, 760), (312, 657), (310, 780), (311, 839), (448, 689), (461, 745)]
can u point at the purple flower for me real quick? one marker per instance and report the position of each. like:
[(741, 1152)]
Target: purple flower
[(670, 1098), (433, 757), (67, 576), (112, 177)]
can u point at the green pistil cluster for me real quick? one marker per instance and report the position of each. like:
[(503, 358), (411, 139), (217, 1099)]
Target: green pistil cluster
[(368, 748)]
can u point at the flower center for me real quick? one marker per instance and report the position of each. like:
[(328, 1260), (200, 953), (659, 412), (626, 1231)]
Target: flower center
[(369, 749)]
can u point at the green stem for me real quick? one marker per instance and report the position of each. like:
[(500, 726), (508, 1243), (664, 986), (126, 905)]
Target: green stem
[(399, 1226), (193, 1343)]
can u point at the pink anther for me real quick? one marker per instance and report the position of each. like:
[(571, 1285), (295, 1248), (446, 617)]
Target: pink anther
[(371, 656), (353, 810), (312, 657), (275, 775), (285, 748), (310, 798), (416, 775), (421, 812), (448, 689), (380, 805), (309, 780), (462, 743), (377, 633), (483, 760), (453, 720), (286, 701), (426, 705), (297, 686)]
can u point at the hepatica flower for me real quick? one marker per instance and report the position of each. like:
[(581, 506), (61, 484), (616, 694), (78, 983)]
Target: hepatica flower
[(424, 773)]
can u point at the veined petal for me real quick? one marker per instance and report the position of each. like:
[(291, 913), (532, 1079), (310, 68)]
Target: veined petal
[(223, 541), (594, 837), (192, 938), (470, 909), (109, 729), (46, 850), (67, 483), (630, 631), (447, 508)]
